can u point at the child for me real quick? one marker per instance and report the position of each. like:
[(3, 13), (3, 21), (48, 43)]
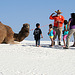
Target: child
[(37, 33), (65, 31), (51, 35)]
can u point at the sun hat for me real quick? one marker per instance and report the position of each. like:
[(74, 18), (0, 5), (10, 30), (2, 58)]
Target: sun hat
[(58, 11)]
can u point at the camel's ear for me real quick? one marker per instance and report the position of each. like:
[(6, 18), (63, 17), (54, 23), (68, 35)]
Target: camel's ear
[(23, 25)]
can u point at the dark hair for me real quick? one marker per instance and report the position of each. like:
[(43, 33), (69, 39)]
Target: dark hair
[(73, 15), (73, 18), (50, 25), (37, 24), (65, 22)]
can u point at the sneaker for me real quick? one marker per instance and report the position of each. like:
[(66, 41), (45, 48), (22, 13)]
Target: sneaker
[(59, 43), (50, 45), (73, 46), (65, 48)]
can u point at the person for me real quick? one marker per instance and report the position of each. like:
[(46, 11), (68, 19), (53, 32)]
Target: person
[(51, 35), (65, 32), (71, 24), (58, 23), (37, 33)]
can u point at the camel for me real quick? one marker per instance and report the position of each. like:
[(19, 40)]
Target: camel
[(7, 36)]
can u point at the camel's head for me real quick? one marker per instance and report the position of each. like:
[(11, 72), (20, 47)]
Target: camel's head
[(23, 33), (26, 26)]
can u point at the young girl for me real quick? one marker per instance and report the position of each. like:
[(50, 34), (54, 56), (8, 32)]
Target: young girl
[(65, 32), (51, 35)]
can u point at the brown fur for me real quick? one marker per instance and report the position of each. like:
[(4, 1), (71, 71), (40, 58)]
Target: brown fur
[(8, 36), (23, 33)]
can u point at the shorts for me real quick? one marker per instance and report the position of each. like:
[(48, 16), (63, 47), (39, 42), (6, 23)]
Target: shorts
[(65, 37), (51, 37)]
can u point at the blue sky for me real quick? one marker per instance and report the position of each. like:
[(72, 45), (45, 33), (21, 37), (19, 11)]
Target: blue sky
[(16, 12)]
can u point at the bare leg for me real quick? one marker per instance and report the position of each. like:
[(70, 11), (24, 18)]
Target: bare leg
[(52, 42), (64, 42), (59, 39)]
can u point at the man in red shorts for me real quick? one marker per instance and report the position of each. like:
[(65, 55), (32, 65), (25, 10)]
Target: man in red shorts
[(58, 23)]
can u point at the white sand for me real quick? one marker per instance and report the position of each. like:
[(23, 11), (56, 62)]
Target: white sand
[(26, 59)]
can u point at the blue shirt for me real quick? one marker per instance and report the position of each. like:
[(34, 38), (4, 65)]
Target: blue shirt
[(65, 32), (51, 33)]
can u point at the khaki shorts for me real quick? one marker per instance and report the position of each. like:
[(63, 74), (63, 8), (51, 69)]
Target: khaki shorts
[(58, 33)]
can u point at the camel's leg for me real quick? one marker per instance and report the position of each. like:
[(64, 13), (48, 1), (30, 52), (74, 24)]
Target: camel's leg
[(1, 40), (2, 37)]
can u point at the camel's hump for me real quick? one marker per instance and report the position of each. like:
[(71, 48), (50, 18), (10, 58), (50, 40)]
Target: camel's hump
[(5, 27), (1, 24)]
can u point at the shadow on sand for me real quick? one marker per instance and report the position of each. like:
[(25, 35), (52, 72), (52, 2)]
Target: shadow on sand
[(57, 47)]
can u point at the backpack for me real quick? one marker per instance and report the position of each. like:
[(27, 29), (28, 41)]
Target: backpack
[(53, 32)]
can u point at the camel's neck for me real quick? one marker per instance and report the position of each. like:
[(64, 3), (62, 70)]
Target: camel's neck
[(21, 35)]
